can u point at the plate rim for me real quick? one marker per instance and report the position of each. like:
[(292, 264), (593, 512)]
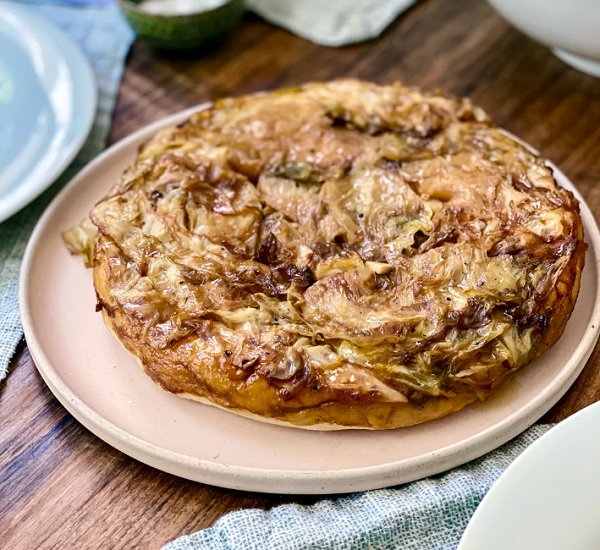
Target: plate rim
[(265, 480), (553, 433), (74, 57)]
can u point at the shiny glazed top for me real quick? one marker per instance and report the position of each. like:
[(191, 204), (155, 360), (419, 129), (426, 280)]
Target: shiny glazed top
[(339, 253)]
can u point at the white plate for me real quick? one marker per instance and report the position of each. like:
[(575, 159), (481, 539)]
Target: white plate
[(101, 385), (549, 497), (47, 105)]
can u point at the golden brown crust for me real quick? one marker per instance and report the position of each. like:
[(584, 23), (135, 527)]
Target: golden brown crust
[(561, 302), (337, 255)]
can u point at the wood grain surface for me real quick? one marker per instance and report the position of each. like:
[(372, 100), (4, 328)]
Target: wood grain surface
[(60, 486)]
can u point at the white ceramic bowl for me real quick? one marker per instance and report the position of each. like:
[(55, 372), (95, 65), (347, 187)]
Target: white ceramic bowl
[(570, 27)]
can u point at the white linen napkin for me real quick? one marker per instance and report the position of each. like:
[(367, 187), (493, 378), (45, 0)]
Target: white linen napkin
[(331, 22)]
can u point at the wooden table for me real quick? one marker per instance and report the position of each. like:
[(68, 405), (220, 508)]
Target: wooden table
[(62, 487)]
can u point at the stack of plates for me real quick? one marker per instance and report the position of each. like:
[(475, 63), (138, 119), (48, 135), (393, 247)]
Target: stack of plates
[(47, 105)]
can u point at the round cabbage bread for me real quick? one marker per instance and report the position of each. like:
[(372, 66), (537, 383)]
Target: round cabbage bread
[(338, 255)]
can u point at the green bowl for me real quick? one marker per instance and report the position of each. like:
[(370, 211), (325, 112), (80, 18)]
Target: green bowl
[(189, 31)]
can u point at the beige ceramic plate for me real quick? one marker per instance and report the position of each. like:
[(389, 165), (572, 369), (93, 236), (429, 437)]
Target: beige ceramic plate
[(102, 386)]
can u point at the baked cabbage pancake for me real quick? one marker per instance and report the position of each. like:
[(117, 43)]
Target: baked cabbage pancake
[(338, 255)]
